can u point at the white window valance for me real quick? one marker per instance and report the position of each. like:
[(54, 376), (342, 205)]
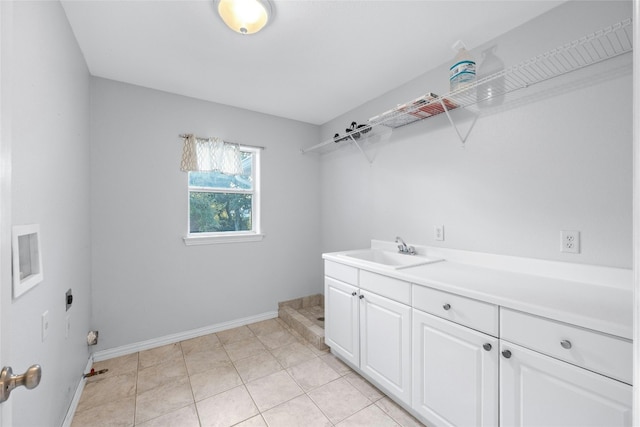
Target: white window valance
[(210, 155)]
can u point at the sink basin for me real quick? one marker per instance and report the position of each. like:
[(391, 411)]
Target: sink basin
[(388, 259)]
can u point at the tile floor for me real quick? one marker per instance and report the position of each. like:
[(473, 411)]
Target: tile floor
[(263, 374)]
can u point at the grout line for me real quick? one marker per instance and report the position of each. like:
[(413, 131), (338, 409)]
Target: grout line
[(193, 396), (135, 391)]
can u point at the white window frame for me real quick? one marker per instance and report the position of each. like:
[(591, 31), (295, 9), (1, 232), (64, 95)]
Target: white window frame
[(253, 235)]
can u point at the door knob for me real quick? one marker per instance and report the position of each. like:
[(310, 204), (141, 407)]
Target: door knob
[(447, 306), (30, 379), (361, 296), (353, 294), (506, 354), (487, 346)]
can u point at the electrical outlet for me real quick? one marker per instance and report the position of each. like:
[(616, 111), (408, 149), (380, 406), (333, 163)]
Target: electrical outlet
[(438, 232), (68, 299), (45, 325), (570, 241)]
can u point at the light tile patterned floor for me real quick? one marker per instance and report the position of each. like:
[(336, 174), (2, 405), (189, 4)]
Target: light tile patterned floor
[(263, 374)]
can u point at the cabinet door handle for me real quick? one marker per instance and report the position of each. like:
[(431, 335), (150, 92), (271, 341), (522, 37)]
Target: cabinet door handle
[(447, 306), (487, 346), (566, 344), (353, 294), (361, 296), (506, 354)]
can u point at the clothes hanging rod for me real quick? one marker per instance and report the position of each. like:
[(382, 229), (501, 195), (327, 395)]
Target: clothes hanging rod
[(258, 147)]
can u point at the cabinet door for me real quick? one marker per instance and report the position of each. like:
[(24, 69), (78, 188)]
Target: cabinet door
[(341, 319), (385, 343), (455, 373), (538, 390)]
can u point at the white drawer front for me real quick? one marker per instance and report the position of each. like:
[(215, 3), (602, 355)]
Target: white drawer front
[(341, 272), (394, 289), (475, 314), (605, 354)]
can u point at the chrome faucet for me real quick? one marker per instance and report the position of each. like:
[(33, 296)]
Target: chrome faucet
[(403, 248)]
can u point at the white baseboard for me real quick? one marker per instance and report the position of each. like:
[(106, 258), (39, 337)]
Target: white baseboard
[(68, 419), (170, 339)]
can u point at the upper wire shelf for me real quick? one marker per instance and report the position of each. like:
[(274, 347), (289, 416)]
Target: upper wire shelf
[(604, 44), (596, 47)]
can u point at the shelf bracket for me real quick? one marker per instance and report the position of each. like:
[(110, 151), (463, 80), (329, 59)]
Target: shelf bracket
[(463, 139), (360, 148)]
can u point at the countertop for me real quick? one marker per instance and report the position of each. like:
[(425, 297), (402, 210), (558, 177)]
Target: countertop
[(572, 296)]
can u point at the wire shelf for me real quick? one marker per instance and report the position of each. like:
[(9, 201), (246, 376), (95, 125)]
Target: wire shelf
[(591, 49), (599, 46)]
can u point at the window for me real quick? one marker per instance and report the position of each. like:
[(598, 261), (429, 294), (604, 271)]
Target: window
[(225, 208)]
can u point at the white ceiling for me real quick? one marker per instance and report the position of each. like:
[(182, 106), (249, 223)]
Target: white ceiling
[(315, 60)]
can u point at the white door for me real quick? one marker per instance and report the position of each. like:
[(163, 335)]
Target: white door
[(385, 343), (30, 378), (455, 373), (538, 390), (5, 212), (341, 319)]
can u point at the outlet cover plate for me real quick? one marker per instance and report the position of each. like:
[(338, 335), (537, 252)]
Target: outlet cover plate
[(438, 232), (570, 241)]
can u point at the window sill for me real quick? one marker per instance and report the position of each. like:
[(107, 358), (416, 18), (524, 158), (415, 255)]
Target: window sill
[(226, 238)]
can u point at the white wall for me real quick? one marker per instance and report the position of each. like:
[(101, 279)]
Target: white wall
[(146, 282), (544, 163), (50, 163), (556, 157)]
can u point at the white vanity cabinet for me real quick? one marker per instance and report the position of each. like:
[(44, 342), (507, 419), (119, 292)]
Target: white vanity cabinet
[(341, 326), (562, 375), (385, 333), (368, 324), (455, 367), (538, 390), (458, 359)]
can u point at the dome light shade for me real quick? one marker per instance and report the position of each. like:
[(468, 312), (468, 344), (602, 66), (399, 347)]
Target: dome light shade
[(244, 16)]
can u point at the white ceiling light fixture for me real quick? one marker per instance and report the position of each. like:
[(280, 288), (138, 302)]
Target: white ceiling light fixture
[(245, 16)]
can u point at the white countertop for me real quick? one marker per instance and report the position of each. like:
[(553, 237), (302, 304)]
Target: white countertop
[(598, 298)]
